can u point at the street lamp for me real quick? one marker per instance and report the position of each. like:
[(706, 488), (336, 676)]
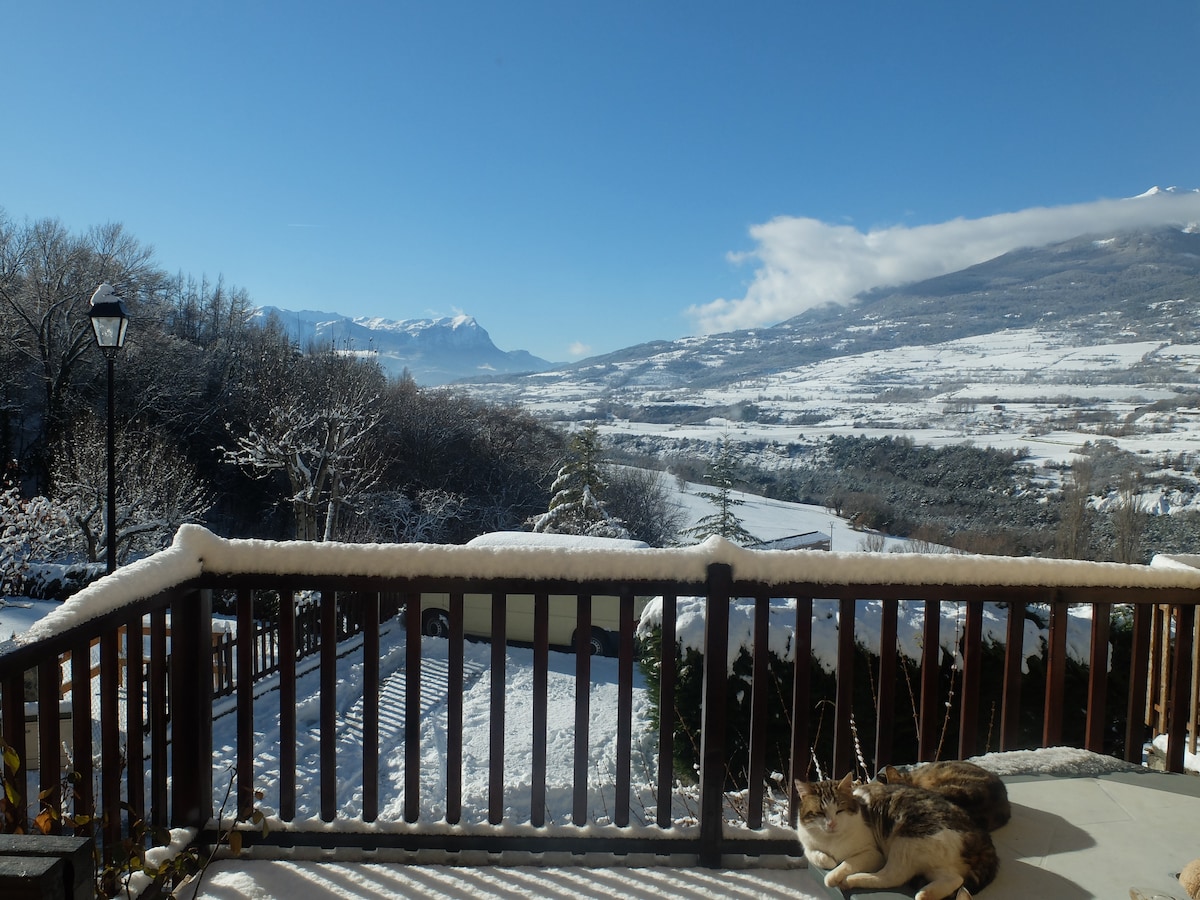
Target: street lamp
[(109, 322)]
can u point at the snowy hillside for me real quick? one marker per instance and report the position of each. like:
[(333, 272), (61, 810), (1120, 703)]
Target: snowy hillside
[(1042, 349)]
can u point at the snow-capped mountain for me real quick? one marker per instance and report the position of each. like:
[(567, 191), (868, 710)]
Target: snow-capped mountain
[(433, 351), (1099, 289)]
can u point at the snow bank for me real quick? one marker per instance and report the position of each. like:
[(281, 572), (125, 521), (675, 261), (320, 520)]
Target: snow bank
[(868, 619)]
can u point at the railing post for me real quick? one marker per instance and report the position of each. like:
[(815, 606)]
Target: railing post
[(713, 711), (191, 709), (1139, 707), (12, 728), (1179, 704)]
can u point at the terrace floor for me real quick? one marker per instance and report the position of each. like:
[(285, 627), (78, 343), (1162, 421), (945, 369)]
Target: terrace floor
[(1070, 837)]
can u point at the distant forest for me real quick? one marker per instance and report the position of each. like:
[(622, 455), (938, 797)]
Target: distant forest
[(970, 498), (222, 421)]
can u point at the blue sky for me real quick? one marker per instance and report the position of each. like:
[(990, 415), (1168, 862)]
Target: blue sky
[(581, 177)]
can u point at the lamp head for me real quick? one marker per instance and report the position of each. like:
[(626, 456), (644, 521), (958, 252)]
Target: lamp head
[(109, 319)]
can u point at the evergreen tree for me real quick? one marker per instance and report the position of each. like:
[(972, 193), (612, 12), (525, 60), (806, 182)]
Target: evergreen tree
[(724, 522), (576, 504)]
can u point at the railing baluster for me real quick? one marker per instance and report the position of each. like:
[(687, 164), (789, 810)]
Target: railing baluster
[(1056, 673), (583, 706), (135, 731), (287, 705), (83, 798), (843, 737), (246, 651), (541, 666), (328, 713), (370, 750), (412, 709), (1137, 706), (49, 743), (12, 723), (1097, 700), (801, 751), (1193, 727), (1179, 701), (191, 710), (110, 741), (972, 665), (667, 712), (713, 712), (758, 710), (886, 691), (931, 699), (158, 718), (496, 729), (1014, 657), (454, 712), (624, 709)]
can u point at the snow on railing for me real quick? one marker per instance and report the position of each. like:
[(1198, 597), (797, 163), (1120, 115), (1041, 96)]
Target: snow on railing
[(196, 551)]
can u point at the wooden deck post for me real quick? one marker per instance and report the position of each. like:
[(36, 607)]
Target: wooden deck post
[(713, 712), (191, 709)]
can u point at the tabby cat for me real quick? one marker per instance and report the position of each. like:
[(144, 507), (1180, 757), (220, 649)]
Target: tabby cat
[(833, 832), (924, 834), (980, 792), (882, 836)]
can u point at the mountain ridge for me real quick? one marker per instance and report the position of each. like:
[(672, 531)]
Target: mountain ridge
[(433, 351), (1137, 284)]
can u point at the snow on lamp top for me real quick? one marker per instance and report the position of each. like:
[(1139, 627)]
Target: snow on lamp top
[(109, 319)]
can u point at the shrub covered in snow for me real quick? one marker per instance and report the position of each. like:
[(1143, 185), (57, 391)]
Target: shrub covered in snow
[(689, 658)]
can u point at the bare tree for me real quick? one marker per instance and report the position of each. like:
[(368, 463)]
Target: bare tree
[(157, 490), (314, 425), (394, 517), (1074, 535), (1129, 521), (47, 276), (640, 498)]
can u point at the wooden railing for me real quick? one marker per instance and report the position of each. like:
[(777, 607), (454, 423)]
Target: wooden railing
[(1164, 649), (173, 708)]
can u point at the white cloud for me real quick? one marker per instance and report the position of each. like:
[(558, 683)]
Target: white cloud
[(804, 262), (578, 350)]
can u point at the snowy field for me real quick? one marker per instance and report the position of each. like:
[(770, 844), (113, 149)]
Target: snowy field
[(1018, 389), (476, 717)]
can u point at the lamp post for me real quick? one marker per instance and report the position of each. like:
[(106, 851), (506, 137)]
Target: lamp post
[(109, 322)]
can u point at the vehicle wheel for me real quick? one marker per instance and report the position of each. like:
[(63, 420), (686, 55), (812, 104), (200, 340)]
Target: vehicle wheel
[(600, 644), (435, 623)]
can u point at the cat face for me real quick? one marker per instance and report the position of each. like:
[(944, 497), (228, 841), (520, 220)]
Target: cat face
[(828, 807)]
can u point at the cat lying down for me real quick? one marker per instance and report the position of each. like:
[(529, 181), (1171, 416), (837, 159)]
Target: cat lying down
[(980, 792), (882, 835)]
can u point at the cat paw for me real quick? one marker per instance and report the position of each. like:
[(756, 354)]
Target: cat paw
[(835, 877), (821, 858)]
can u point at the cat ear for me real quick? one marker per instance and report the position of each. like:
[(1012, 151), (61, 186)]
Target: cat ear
[(846, 783), (803, 788), (891, 775)]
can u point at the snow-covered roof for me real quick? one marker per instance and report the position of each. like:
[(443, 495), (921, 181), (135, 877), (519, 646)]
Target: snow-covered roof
[(197, 551), (542, 539)]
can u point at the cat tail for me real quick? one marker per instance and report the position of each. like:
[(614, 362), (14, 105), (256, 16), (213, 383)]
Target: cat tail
[(982, 860)]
